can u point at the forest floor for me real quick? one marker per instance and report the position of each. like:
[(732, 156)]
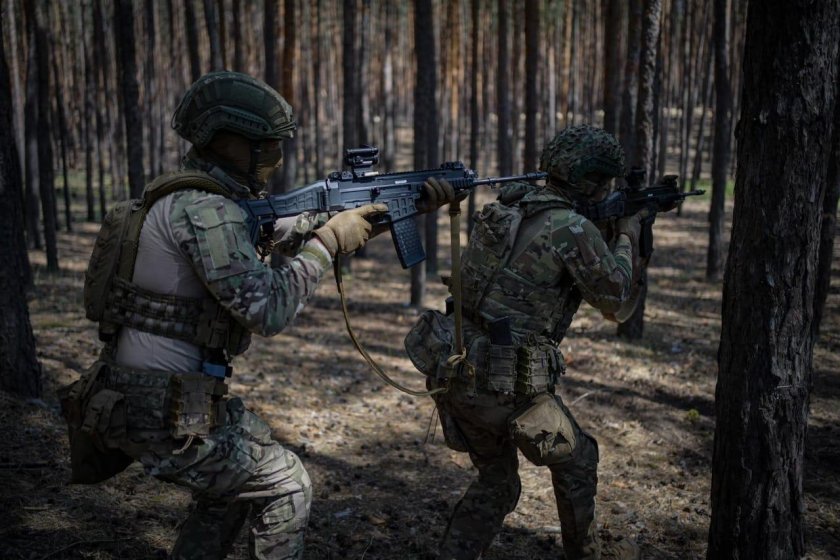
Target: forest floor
[(381, 491)]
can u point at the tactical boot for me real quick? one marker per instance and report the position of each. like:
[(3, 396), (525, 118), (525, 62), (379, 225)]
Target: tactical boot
[(620, 549)]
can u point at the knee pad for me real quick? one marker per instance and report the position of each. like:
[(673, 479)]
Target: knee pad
[(544, 431)]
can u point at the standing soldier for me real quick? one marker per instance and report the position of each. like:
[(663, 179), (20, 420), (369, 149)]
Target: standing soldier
[(530, 260), (177, 287)]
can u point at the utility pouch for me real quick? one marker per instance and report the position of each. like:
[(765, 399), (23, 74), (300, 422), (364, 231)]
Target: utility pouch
[(451, 432), (537, 368), (95, 424), (543, 430), (429, 344), (501, 368), (196, 404)]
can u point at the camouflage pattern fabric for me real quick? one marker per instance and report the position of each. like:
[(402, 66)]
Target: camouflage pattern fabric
[(484, 425), (211, 230), (237, 473), (531, 259)]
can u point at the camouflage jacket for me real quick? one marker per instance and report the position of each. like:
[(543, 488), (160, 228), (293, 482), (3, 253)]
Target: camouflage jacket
[(532, 258)]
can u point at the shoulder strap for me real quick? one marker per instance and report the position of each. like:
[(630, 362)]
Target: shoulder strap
[(154, 191)]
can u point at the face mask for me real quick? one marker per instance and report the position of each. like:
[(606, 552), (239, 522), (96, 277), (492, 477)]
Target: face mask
[(233, 152)]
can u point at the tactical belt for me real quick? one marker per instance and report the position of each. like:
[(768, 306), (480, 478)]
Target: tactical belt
[(524, 369), (186, 404)]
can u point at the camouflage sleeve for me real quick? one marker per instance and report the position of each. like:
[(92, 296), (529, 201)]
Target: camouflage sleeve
[(602, 276), (290, 234), (210, 229)]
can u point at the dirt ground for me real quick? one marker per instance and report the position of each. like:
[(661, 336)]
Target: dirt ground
[(381, 490)]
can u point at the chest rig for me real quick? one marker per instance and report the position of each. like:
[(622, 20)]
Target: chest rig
[(522, 303), (113, 300)]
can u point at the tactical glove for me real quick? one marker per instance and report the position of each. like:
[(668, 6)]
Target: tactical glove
[(436, 193), (631, 226), (349, 230)]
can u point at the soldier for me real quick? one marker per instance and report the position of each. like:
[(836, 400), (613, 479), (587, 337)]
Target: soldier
[(530, 260), (177, 288)]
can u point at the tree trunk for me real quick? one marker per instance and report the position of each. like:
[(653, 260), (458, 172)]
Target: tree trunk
[(766, 347), (21, 372), (613, 36), (90, 110), (475, 123), (631, 77), (289, 46), (532, 39), (721, 148), (192, 38), (46, 181), (828, 227), (425, 120), (642, 153), (238, 46), (62, 143), (100, 101), (503, 131), (211, 18), (127, 70), (30, 109)]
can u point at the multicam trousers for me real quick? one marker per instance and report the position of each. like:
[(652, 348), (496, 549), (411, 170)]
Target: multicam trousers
[(492, 427), (236, 473)]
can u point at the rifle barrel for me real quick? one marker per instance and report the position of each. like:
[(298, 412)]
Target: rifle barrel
[(526, 177)]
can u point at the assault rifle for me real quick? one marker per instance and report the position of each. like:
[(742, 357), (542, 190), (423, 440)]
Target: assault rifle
[(627, 201), (344, 190)]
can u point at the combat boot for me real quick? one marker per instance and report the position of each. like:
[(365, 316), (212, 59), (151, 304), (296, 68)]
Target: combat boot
[(620, 549)]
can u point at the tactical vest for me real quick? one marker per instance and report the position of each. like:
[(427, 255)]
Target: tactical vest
[(539, 303), (113, 300)]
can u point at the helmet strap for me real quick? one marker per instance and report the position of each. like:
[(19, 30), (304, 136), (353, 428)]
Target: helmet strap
[(256, 151)]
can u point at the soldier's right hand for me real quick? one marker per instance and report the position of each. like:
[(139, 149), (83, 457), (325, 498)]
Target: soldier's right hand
[(631, 226), (349, 230)]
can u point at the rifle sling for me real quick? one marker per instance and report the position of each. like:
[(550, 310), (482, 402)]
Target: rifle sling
[(339, 282)]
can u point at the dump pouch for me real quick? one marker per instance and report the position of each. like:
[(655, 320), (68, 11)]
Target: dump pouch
[(543, 430), (95, 423), (429, 344)]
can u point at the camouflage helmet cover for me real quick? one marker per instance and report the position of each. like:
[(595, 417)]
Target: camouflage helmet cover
[(233, 102), (577, 151)]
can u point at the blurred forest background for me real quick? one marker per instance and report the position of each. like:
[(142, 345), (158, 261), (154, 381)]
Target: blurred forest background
[(736, 97)]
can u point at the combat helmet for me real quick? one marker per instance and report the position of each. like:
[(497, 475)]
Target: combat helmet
[(233, 102), (577, 154)]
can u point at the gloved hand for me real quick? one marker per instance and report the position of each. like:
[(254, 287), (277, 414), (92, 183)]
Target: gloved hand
[(631, 226), (436, 193), (349, 230)]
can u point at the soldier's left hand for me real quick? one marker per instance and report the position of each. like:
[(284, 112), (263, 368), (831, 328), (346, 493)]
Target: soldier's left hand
[(436, 193)]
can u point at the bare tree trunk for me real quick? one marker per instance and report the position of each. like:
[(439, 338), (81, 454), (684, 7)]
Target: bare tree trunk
[(532, 37), (90, 91), (62, 137), (828, 226), (766, 347), (613, 36), (721, 149), (46, 181), (633, 328), (316, 85), (211, 18), (503, 132), (19, 367), (151, 93), (133, 125), (475, 123), (289, 46), (192, 38), (30, 109), (425, 120), (238, 46), (631, 76), (100, 100)]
